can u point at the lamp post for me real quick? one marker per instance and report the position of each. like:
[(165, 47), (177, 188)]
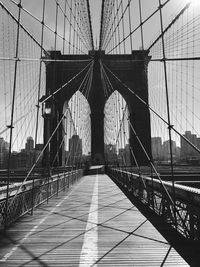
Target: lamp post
[(48, 113)]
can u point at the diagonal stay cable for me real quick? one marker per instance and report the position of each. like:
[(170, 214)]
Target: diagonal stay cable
[(151, 109), (107, 19), (107, 41), (23, 28), (101, 26), (38, 158), (153, 166), (45, 25), (66, 84), (119, 243), (112, 90), (146, 154), (85, 80), (170, 25), (90, 24), (65, 15), (75, 30), (121, 125), (143, 148), (143, 22)]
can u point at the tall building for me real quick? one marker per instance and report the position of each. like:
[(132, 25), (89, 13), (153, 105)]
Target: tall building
[(156, 146), (27, 157), (127, 155), (29, 146), (4, 147), (187, 151), (166, 149), (120, 157), (110, 153), (124, 156), (75, 149), (39, 147)]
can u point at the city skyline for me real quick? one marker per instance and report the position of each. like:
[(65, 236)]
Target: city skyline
[(183, 76)]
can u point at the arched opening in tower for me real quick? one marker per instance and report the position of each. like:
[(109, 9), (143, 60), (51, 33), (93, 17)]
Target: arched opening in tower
[(116, 131), (77, 131)]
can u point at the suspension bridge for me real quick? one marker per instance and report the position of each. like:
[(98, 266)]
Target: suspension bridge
[(99, 133)]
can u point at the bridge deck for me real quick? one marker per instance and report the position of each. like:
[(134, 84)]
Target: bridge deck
[(94, 225)]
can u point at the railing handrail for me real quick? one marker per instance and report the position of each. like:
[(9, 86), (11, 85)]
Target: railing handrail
[(166, 183), (35, 193), (183, 215)]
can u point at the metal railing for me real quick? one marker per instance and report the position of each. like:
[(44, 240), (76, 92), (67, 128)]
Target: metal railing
[(183, 214), (33, 194)]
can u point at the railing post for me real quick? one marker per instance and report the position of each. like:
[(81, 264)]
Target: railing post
[(68, 177), (33, 195), (64, 181), (48, 189), (12, 109), (151, 191), (57, 184), (170, 126), (191, 222)]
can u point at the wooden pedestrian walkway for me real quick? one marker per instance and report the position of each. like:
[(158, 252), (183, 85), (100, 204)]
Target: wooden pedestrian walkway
[(94, 224)]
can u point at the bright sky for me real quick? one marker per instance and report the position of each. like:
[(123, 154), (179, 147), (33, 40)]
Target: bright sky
[(186, 92), (95, 6)]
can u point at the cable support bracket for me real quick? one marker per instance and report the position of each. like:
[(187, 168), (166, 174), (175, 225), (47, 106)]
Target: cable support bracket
[(170, 126), (10, 126), (164, 59), (17, 59)]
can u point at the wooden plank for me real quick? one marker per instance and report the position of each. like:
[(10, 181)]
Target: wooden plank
[(59, 231)]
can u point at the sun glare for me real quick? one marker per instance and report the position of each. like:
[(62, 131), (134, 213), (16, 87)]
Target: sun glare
[(192, 2), (195, 2)]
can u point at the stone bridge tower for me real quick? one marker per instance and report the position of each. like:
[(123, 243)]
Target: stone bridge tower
[(130, 69)]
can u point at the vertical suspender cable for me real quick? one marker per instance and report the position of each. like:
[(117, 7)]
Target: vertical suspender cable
[(63, 52), (13, 107), (39, 86), (141, 24), (90, 25), (75, 9), (130, 25), (40, 72), (56, 26), (123, 31), (113, 29), (118, 24), (76, 28), (64, 27), (70, 26), (101, 27), (168, 110)]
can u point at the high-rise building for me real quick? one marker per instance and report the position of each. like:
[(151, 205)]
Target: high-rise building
[(29, 146), (4, 147), (110, 153), (120, 157), (75, 149), (166, 149), (127, 155), (27, 157), (187, 151), (39, 147), (124, 156), (156, 146)]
